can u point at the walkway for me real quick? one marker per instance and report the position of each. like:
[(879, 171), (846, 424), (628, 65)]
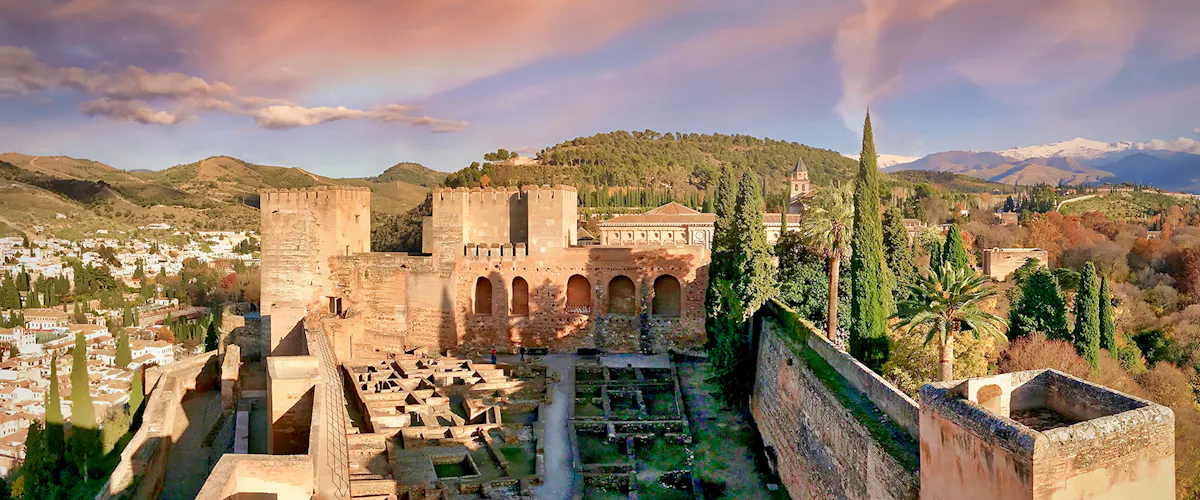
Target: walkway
[(559, 476)]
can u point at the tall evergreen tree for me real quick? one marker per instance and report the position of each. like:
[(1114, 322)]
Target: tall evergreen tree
[(870, 300), (211, 337), (954, 252), (724, 236), (85, 438), (753, 267), (39, 468), (1039, 309), (31, 300), (124, 356), (1108, 325), (55, 426), (137, 394), (1087, 316), (897, 250), (707, 207)]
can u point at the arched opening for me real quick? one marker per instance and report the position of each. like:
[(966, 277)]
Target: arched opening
[(579, 295), (483, 296), (666, 296), (520, 297), (622, 297), (989, 397)]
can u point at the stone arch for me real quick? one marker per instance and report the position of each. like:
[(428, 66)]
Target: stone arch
[(483, 296), (622, 296), (520, 297), (579, 295), (989, 397), (667, 296)]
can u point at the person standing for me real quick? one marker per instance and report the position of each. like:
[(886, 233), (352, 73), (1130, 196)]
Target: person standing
[(493, 355)]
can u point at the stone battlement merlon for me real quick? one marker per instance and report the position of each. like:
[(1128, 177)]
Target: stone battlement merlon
[(314, 193)]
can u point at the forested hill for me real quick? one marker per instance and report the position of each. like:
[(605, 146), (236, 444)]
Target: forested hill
[(671, 161)]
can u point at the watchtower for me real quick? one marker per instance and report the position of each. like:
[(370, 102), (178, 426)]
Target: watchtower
[(301, 230)]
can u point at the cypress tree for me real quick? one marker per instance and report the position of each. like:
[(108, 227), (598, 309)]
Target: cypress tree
[(136, 392), (31, 300), (124, 356), (724, 237), (707, 206), (898, 252), (37, 471), (1108, 326), (1039, 309), (85, 438), (55, 430), (870, 291), (1087, 316), (753, 268), (211, 338), (954, 251)]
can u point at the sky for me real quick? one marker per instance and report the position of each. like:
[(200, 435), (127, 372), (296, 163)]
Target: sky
[(349, 88)]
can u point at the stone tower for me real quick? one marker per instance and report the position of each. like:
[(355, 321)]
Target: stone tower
[(301, 230), (801, 187)]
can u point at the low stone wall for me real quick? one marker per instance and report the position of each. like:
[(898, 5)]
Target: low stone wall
[(140, 473), (825, 436), (260, 476)]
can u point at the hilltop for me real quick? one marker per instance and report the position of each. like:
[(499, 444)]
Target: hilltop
[(70, 197)]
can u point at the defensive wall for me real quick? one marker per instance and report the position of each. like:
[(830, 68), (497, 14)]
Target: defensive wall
[(302, 229), (141, 471), (499, 270), (816, 408), (832, 428)]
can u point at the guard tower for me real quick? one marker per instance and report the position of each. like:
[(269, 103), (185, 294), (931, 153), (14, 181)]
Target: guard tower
[(801, 187)]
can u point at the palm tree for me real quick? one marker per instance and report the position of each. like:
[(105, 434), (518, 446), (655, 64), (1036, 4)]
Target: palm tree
[(826, 229), (944, 303)]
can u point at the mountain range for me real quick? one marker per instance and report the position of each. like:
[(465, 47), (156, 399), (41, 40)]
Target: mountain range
[(69, 197), (1076, 161)]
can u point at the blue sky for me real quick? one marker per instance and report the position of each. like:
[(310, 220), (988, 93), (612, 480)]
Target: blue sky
[(350, 88)]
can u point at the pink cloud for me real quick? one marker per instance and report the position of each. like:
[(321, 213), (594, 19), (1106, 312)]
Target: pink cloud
[(121, 94)]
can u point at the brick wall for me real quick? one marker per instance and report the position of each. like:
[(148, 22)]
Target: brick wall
[(821, 449)]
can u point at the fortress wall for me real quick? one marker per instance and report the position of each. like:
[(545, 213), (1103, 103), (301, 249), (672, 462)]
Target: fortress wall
[(550, 324), (490, 215), (301, 230), (820, 448), (553, 219)]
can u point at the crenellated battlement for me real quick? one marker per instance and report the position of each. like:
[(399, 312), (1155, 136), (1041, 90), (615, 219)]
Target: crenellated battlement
[(478, 193), (316, 193)]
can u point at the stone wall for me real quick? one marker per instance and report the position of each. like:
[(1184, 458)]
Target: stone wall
[(140, 473), (998, 263), (301, 230), (260, 476), (383, 314), (822, 435)]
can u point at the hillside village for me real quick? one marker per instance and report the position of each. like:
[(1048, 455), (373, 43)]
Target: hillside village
[(35, 340)]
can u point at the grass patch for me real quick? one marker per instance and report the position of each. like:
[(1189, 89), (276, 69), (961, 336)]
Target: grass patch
[(586, 408), (662, 455), (520, 459), (596, 449), (659, 402)]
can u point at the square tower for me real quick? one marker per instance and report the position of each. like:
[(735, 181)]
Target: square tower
[(1043, 434)]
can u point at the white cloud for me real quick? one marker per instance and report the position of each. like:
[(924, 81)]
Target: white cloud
[(122, 94), (1196, 131), (1182, 144)]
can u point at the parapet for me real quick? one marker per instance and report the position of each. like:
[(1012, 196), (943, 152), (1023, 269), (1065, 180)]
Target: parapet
[(455, 193), (1043, 434), (314, 193)]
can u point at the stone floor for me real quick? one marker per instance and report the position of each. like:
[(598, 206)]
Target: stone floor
[(191, 459)]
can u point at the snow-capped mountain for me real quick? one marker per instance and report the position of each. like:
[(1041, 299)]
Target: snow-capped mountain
[(1078, 148), (885, 161)]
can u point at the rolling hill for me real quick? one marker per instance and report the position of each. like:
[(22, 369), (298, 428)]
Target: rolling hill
[(69, 197)]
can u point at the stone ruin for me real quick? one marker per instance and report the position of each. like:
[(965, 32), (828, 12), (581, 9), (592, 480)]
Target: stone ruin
[(424, 425), (629, 429)]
